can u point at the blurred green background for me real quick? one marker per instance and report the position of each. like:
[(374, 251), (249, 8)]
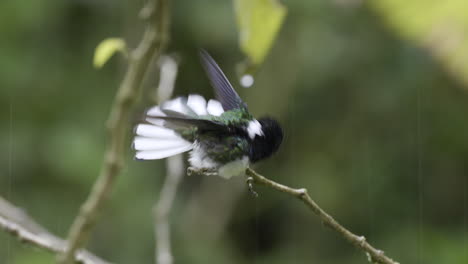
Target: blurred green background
[(372, 97)]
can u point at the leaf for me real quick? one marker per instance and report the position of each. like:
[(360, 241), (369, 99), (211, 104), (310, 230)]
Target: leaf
[(438, 26), (106, 49), (258, 22)]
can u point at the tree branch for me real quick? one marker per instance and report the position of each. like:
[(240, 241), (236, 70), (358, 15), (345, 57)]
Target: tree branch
[(163, 208), (152, 44), (374, 255), (17, 223), (175, 172)]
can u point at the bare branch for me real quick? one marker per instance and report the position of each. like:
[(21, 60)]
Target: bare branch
[(167, 77), (17, 223), (163, 207), (374, 255), (175, 172), (152, 44)]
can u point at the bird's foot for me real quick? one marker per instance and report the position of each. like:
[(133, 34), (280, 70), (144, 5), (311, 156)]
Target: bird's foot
[(201, 171), (249, 182)]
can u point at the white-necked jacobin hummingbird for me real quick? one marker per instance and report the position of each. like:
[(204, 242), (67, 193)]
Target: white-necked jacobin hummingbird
[(222, 135)]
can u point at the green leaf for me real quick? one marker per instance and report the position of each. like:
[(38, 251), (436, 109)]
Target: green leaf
[(106, 49), (438, 26), (258, 22)]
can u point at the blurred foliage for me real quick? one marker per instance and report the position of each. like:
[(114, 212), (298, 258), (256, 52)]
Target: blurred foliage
[(106, 48), (258, 22), (439, 26), (375, 126)]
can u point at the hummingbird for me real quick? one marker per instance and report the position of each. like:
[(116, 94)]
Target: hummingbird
[(221, 135)]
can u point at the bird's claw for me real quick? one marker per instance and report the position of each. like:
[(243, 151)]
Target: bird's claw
[(249, 182), (209, 172), (191, 171), (201, 171)]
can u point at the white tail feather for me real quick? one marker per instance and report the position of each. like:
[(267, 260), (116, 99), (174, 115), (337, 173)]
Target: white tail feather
[(215, 108), (156, 121), (197, 103), (145, 143), (160, 154), (154, 142), (152, 131), (177, 105), (155, 111)]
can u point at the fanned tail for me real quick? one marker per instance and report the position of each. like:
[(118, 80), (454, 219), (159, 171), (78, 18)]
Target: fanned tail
[(159, 139), (155, 142)]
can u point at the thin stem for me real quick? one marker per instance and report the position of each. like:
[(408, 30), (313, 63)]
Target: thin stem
[(17, 223), (151, 46), (162, 209), (174, 169), (374, 255)]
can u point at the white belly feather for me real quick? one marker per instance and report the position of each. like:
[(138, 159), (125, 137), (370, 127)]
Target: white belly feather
[(200, 160), (234, 168)]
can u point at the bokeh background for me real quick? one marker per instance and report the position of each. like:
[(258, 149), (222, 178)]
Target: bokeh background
[(372, 96)]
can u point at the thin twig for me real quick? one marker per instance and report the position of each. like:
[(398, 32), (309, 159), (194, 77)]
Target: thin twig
[(152, 44), (17, 223), (374, 255), (163, 207), (175, 172)]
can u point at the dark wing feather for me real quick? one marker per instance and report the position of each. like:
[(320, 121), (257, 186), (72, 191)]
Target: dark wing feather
[(178, 122), (225, 93)]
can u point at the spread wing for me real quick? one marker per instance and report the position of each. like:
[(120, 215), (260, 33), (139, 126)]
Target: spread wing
[(225, 93)]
